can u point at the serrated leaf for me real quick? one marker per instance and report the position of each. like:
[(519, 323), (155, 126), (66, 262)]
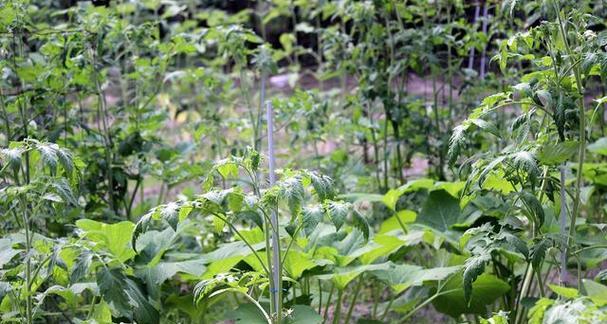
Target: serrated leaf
[(312, 216), (338, 212), (360, 223), (227, 169), (11, 157), (297, 262), (516, 242), (485, 125), (473, 267), (81, 266), (62, 188), (164, 270), (534, 207), (140, 228), (111, 283), (545, 98), (538, 252), (456, 143), (292, 190), (553, 153), (323, 186), (525, 161)]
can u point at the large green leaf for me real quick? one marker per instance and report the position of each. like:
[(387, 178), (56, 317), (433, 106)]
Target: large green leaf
[(7, 253), (392, 223), (485, 290), (164, 270), (564, 291), (386, 245), (391, 197), (297, 262), (402, 276), (246, 314), (596, 291), (115, 238), (303, 314), (227, 256), (599, 147), (341, 277), (440, 211), (554, 153), (102, 313)]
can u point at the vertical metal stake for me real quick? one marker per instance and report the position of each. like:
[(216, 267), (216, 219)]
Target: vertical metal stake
[(477, 12), (484, 29), (276, 277)]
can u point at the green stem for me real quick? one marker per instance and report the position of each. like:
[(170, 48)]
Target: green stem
[(582, 127), (519, 313), (337, 311), (319, 297), (328, 302), (387, 310), (426, 302), (235, 230), (353, 302), (28, 266)]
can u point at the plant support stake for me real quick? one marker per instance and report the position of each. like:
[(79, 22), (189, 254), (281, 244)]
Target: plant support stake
[(484, 29), (276, 298), (477, 12), (563, 226)]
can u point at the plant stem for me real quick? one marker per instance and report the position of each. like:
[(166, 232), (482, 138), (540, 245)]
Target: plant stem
[(387, 310), (353, 302), (328, 302), (337, 310), (426, 302), (28, 270), (233, 228), (319, 297), (107, 140), (524, 289), (582, 129)]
